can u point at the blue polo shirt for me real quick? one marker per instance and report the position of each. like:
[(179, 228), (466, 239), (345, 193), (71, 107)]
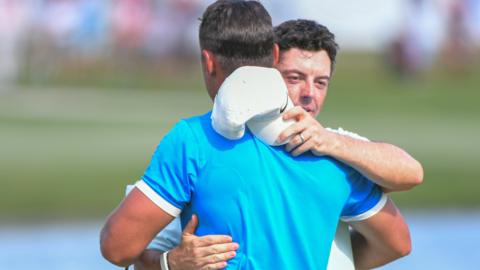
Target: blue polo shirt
[(282, 210)]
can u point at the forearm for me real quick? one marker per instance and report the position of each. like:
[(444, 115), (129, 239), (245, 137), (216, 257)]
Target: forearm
[(365, 255), (149, 260), (385, 164)]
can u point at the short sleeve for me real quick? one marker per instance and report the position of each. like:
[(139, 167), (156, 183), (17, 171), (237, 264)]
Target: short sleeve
[(167, 181), (168, 238), (365, 200)]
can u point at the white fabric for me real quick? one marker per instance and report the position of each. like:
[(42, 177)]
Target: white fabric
[(353, 135), (157, 199), (370, 213), (252, 96)]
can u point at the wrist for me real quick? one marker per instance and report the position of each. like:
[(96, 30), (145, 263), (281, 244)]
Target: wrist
[(333, 145), (164, 261)]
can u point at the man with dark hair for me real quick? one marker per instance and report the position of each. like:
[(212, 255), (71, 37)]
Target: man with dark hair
[(307, 61), (195, 170), (225, 25), (306, 35), (219, 36), (307, 77)]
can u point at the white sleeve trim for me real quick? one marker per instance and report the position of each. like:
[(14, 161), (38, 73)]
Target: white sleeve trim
[(157, 199), (342, 131), (368, 214)]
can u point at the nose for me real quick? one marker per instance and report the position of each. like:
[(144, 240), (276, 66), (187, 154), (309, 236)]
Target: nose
[(306, 95)]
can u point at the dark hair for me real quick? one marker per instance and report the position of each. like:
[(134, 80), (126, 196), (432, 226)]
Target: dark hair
[(239, 33), (306, 35)]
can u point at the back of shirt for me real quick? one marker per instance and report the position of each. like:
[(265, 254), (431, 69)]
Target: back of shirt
[(282, 210)]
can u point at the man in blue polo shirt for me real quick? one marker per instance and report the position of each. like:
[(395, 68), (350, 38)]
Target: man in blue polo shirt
[(279, 208), (385, 164)]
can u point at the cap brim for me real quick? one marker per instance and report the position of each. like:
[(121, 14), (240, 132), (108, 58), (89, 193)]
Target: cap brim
[(269, 130)]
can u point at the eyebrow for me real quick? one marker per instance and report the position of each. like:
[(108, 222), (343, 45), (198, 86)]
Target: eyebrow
[(300, 72)]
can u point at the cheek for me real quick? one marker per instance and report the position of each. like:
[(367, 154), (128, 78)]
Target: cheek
[(294, 93), (320, 98)]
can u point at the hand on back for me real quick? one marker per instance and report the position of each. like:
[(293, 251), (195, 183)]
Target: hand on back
[(201, 252)]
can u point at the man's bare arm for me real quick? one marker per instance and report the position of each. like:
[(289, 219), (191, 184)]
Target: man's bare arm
[(381, 238), (131, 227), (149, 260), (387, 165)]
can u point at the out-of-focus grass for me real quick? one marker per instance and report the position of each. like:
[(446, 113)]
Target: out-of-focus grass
[(435, 117), (70, 152)]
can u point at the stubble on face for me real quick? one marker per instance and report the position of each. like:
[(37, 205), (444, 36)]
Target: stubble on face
[(307, 76)]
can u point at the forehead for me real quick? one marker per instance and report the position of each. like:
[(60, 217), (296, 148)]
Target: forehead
[(317, 63)]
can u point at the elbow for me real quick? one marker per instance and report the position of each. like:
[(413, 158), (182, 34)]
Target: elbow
[(402, 246), (112, 253), (416, 177), (395, 252), (114, 257), (403, 249)]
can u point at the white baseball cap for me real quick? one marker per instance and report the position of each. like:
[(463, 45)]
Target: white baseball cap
[(252, 96)]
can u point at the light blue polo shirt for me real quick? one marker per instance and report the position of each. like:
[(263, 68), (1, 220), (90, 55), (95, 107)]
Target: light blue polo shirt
[(282, 210)]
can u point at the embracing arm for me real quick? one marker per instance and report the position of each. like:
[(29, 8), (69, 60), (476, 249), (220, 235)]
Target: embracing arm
[(380, 239), (193, 253), (385, 164), (131, 227)]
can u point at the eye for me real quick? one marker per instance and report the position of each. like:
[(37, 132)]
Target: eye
[(293, 78), (322, 84)]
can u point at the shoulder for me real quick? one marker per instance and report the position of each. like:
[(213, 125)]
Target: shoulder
[(190, 128), (199, 128)]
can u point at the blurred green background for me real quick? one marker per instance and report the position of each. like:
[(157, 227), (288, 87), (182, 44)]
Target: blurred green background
[(88, 88), (69, 152)]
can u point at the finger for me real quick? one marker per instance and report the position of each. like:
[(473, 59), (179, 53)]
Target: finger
[(192, 225), (291, 131), (299, 138), (296, 112), (299, 146), (217, 249), (219, 265), (212, 240), (302, 148), (221, 257), (294, 142)]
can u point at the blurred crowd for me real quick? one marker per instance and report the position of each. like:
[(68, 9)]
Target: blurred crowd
[(444, 32), (38, 35), (42, 34)]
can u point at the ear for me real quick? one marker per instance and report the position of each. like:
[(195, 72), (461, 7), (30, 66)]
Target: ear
[(276, 54), (208, 60)]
